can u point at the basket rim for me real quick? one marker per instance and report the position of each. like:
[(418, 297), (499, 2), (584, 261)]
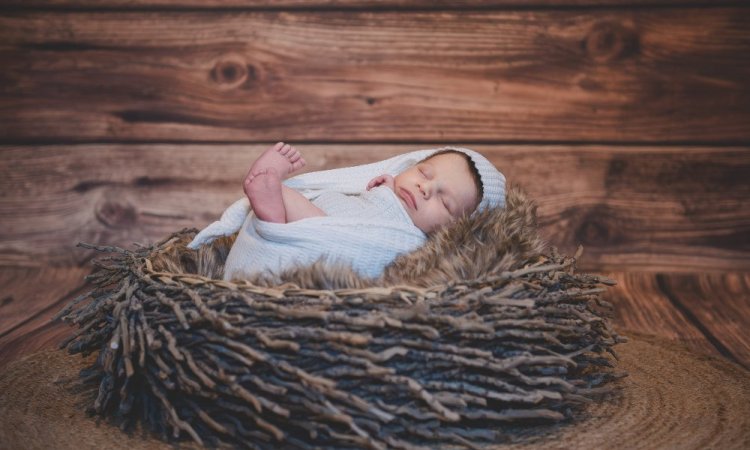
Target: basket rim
[(289, 288)]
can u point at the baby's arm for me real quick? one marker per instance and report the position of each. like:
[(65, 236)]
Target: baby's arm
[(297, 206)]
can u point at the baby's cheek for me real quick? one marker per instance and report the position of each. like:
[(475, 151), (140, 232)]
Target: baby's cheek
[(433, 216), (445, 216)]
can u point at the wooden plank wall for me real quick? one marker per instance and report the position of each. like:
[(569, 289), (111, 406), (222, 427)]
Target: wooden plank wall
[(628, 121)]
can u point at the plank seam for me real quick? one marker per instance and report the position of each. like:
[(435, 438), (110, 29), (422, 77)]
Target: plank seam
[(372, 9), (57, 142), (693, 319)]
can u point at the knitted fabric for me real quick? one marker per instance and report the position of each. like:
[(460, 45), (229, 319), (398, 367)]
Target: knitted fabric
[(365, 232)]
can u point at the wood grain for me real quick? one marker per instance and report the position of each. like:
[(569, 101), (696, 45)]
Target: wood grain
[(31, 298), (666, 75), (642, 209), (719, 305), (641, 305), (28, 291), (347, 4)]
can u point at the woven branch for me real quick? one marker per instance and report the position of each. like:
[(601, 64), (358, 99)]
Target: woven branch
[(386, 367)]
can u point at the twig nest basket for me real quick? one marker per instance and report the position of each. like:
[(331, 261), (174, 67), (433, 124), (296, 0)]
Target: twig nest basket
[(479, 330)]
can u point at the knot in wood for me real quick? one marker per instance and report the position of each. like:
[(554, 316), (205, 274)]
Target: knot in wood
[(598, 227), (116, 213), (231, 72), (609, 41)]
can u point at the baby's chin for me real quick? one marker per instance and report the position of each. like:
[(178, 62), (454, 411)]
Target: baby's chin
[(425, 229), (414, 220)]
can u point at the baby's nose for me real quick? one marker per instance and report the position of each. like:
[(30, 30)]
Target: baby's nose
[(425, 190)]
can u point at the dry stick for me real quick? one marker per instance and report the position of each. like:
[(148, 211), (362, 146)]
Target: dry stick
[(175, 420), (175, 307), (102, 303), (202, 376), (185, 380), (232, 411), (171, 343), (80, 334), (458, 386), (141, 341), (205, 417), (65, 312), (307, 334)]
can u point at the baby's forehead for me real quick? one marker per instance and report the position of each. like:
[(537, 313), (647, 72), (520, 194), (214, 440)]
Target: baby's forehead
[(448, 161)]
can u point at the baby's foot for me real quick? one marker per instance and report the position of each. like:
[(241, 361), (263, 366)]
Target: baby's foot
[(264, 193), (283, 158)]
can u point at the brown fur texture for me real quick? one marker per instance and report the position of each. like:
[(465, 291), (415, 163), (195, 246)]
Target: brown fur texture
[(487, 243)]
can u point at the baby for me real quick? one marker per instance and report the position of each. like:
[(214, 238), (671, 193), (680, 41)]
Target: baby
[(338, 216), (436, 191)]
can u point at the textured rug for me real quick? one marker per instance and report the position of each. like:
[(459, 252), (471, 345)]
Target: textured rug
[(672, 398)]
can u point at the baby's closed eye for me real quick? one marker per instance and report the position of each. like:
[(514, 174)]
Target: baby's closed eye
[(425, 169)]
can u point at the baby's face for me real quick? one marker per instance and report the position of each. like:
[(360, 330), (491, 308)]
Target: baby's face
[(437, 191)]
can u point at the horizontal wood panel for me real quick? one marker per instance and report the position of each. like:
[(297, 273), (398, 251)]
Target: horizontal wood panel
[(346, 4), (649, 75), (645, 209)]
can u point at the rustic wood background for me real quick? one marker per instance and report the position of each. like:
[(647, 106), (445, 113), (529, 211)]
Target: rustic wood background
[(628, 121)]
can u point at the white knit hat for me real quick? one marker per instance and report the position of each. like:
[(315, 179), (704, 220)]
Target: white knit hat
[(493, 181)]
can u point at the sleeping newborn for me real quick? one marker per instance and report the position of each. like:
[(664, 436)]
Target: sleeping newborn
[(434, 192), (338, 216)]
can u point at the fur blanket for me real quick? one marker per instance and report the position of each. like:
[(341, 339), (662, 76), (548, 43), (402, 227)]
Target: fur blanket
[(488, 243)]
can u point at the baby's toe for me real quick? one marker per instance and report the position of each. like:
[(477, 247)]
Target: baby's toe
[(285, 149), (298, 164)]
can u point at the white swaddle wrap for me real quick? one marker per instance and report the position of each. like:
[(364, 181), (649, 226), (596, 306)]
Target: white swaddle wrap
[(365, 232), (367, 243)]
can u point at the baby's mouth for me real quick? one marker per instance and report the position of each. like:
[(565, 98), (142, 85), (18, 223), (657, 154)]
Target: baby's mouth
[(408, 198)]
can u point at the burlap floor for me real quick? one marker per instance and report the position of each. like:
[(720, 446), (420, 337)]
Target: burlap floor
[(672, 399)]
